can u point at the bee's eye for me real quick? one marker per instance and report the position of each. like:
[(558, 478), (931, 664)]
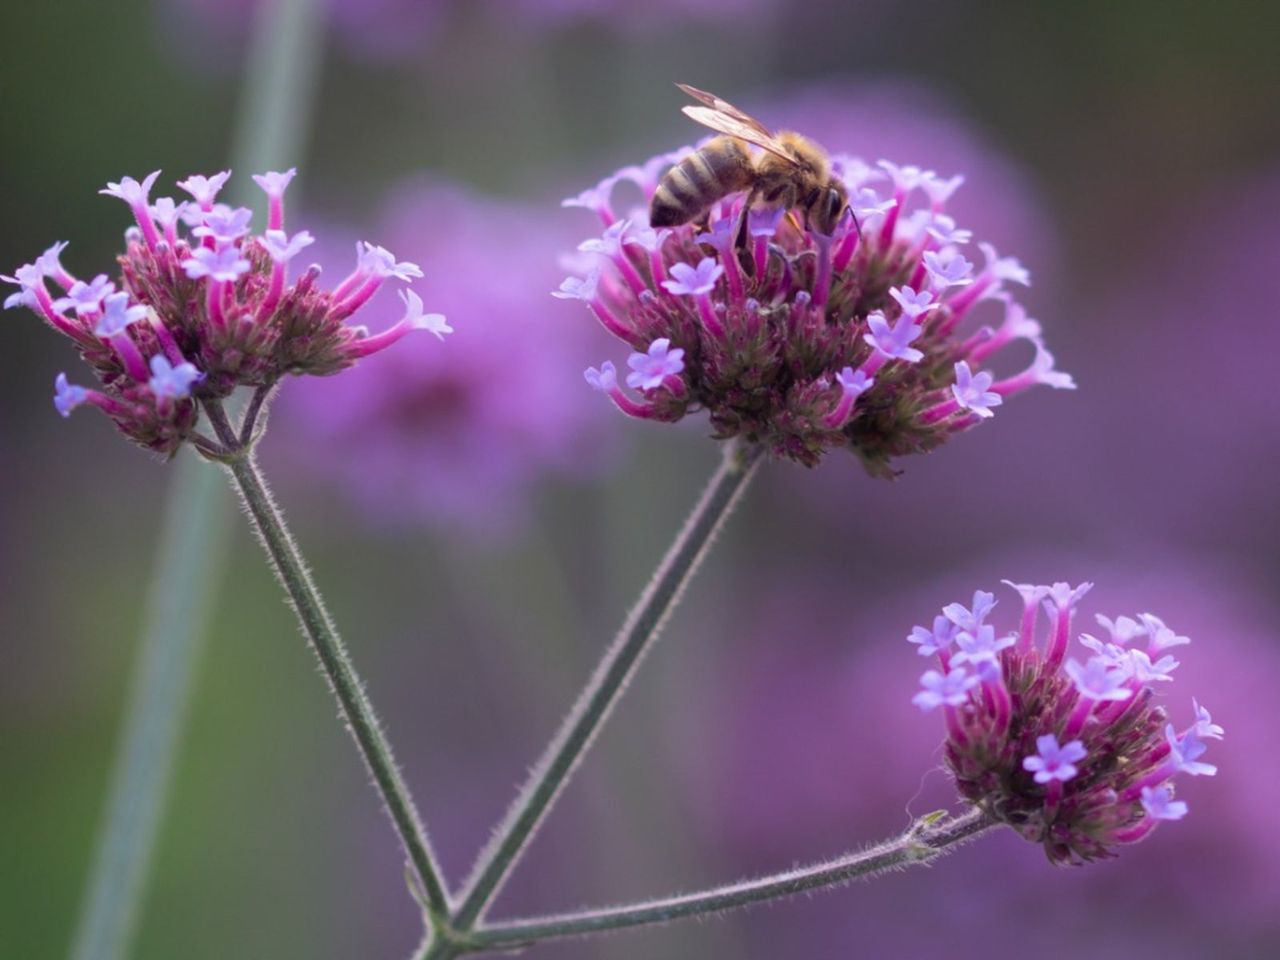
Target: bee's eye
[(835, 205)]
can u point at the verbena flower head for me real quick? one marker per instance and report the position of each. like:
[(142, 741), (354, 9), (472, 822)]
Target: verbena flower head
[(876, 339), (1073, 754), (205, 305)]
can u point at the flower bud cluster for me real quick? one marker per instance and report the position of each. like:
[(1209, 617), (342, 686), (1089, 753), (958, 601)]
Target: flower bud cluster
[(203, 306), (865, 340), (1073, 755)]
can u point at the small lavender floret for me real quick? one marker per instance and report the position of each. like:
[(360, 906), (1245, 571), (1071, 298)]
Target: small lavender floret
[(949, 689), (117, 315), (86, 298), (1160, 805), (650, 369), (170, 381), (689, 281), (1054, 762), (66, 396), (224, 264), (1075, 756)]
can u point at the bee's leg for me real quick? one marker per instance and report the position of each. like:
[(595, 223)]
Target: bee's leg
[(740, 245), (856, 225)]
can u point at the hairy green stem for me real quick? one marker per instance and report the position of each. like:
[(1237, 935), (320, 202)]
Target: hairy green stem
[(329, 648), (605, 687), (924, 843)]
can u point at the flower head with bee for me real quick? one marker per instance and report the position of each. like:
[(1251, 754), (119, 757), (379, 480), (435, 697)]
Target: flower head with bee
[(806, 302), (1074, 755), (204, 306)]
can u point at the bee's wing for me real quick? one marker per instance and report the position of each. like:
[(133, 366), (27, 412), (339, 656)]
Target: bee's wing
[(724, 117)]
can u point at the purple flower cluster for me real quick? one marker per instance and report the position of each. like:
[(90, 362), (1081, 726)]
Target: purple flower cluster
[(205, 306), (872, 339), (1072, 755)]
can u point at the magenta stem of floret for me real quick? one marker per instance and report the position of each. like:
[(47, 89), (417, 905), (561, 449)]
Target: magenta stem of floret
[(606, 215), (708, 314), (1057, 651), (1159, 775), (346, 307), (213, 304), (62, 277), (629, 273), (57, 320), (1112, 711), (269, 302), (352, 280), (759, 254), (983, 343), (171, 234), (1075, 723), (732, 274), (657, 268), (641, 411), (940, 412), (1052, 797), (130, 356), (167, 342), (999, 702), (610, 322), (891, 218), (918, 277), (1015, 384), (364, 346), (955, 729), (967, 297), (838, 417), (844, 253), (1136, 832), (873, 363), (822, 280), (1027, 629), (275, 211), (142, 213), (108, 405), (675, 385)]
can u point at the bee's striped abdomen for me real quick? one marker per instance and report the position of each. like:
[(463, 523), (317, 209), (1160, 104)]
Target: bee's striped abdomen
[(685, 192)]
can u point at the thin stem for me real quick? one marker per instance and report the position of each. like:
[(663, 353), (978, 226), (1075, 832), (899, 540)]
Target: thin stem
[(605, 687), (256, 407), (922, 844), (356, 708), (188, 560)]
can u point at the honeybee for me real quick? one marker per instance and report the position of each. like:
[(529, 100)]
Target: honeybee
[(792, 172)]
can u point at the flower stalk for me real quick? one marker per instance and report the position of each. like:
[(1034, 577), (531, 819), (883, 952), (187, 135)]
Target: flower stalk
[(607, 684), (316, 623), (926, 841)]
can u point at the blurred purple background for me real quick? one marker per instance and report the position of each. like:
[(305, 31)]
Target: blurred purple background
[(481, 535)]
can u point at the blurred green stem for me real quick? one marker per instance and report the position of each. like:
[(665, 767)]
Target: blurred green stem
[(336, 663), (191, 552), (927, 840), (603, 690), (274, 113)]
